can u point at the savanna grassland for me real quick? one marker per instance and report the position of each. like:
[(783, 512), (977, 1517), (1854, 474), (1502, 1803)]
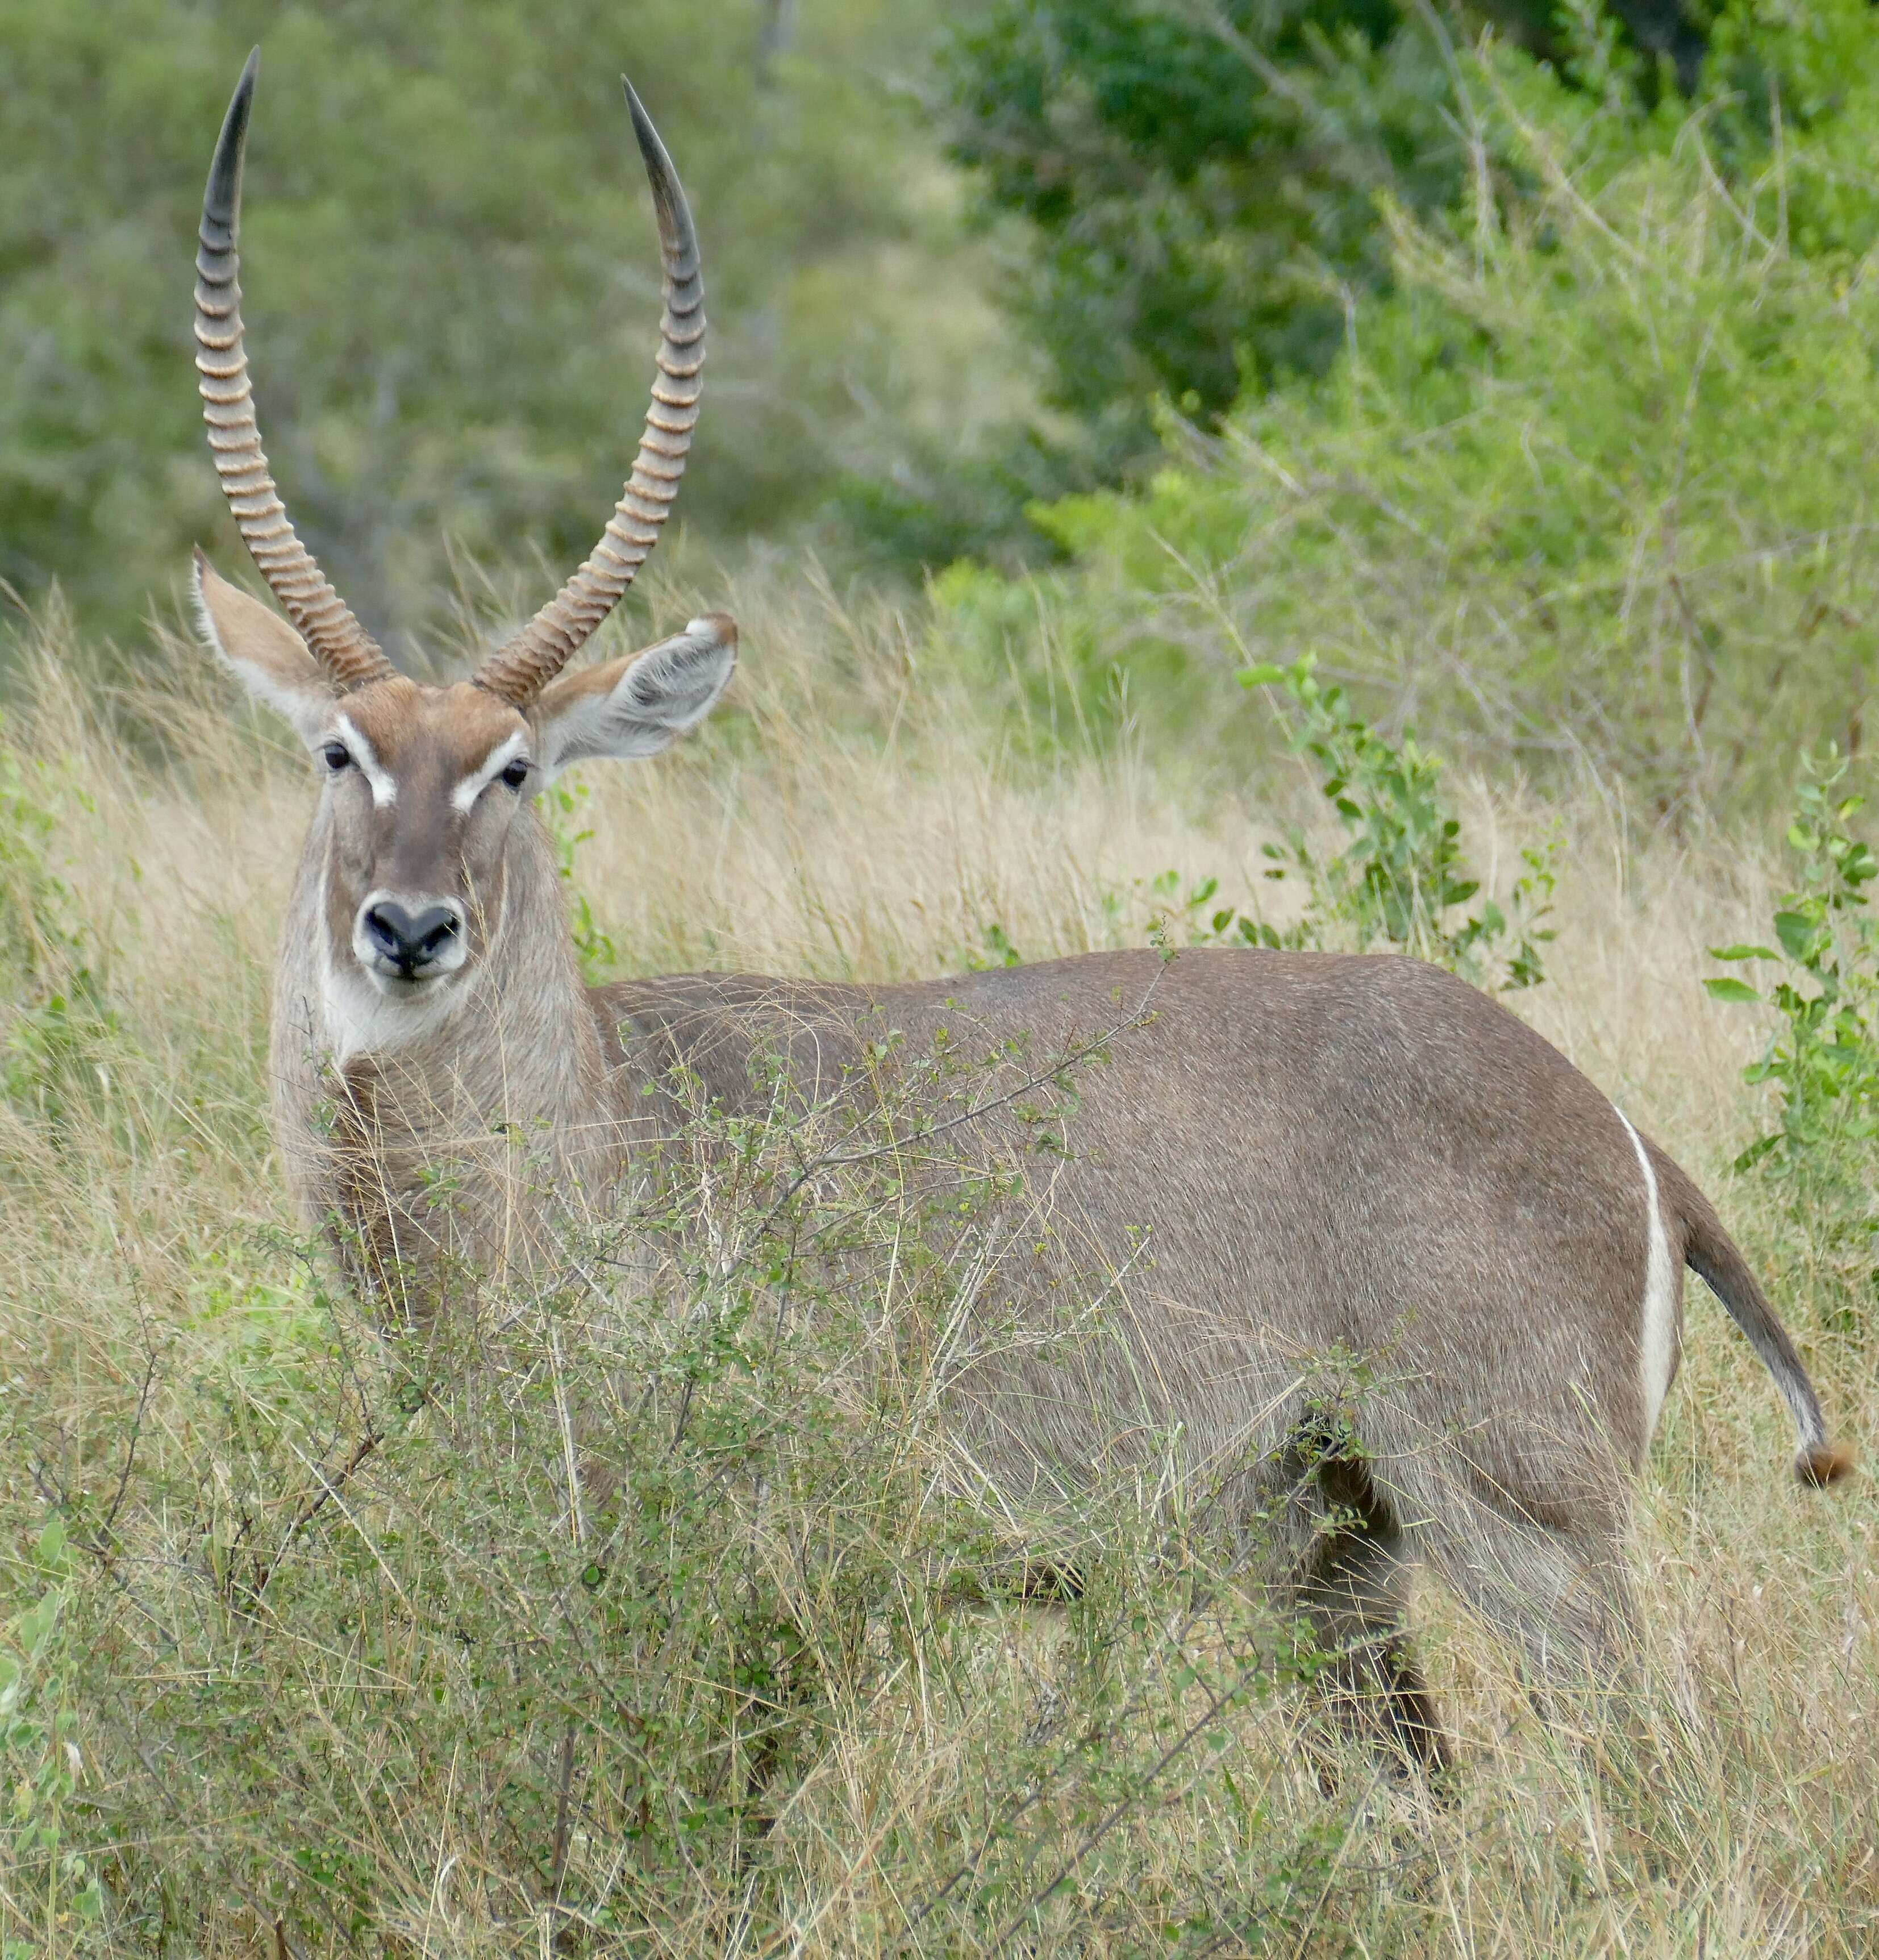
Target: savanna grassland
[(316, 1637), (650, 1609)]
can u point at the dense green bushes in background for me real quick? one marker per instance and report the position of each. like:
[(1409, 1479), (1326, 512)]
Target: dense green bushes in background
[(1591, 483), (1530, 394), (1206, 179), (1202, 181)]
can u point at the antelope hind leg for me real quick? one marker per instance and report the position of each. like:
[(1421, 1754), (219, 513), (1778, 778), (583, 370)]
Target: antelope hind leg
[(1356, 1601), (1351, 1585), (1558, 1591)]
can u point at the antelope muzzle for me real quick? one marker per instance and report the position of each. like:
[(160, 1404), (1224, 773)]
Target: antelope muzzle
[(407, 941)]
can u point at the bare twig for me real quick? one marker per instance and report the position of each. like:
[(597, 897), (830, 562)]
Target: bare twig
[(558, 1864), (331, 1484), (925, 1133)]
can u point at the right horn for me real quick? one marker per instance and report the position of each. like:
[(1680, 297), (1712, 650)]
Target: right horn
[(519, 671), (324, 620)]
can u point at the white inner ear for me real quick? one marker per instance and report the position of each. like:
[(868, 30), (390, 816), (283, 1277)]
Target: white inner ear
[(304, 700), (662, 692)]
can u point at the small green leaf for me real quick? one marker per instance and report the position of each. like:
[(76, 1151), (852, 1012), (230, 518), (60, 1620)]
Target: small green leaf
[(1795, 931), (51, 1549), (1755, 1152), (1723, 987)]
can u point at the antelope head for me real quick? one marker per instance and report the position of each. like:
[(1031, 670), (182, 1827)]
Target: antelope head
[(424, 788)]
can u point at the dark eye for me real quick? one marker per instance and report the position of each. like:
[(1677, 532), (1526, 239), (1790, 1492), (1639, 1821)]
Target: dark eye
[(517, 774), (335, 756)]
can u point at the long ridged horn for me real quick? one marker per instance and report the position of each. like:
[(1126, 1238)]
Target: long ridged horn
[(324, 621), (519, 670)]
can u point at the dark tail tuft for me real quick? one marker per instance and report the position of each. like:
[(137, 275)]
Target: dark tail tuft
[(1825, 1463)]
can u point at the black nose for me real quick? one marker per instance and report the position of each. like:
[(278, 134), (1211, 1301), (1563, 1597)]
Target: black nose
[(411, 940)]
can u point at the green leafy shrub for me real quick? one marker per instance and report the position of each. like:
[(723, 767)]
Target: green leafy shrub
[(1586, 488), (1824, 1058), (1823, 1055), (1402, 877), (1398, 883), (564, 805), (583, 1619)]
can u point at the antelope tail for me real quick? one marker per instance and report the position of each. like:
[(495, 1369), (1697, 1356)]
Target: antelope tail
[(1712, 1255)]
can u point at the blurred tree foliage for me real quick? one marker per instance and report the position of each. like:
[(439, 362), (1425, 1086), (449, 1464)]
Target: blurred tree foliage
[(1192, 193), (451, 276), (1195, 192), (1203, 179), (1590, 485), (451, 273)]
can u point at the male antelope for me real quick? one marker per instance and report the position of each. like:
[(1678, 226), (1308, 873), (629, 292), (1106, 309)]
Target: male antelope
[(1317, 1154)]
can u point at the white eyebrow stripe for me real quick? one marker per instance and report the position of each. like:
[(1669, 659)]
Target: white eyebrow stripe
[(492, 766), (384, 786)]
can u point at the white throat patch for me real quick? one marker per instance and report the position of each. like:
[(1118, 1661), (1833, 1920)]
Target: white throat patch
[(356, 1019), (1657, 1344)]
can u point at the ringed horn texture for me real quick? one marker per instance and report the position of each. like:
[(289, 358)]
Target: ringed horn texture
[(324, 620), (519, 671)]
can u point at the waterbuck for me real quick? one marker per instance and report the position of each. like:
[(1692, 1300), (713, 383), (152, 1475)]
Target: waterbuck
[(1279, 1157)]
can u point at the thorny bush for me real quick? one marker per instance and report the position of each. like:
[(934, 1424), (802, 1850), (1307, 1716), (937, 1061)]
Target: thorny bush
[(586, 1615)]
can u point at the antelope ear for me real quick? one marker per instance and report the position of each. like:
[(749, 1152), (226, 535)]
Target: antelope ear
[(638, 704), (263, 652)]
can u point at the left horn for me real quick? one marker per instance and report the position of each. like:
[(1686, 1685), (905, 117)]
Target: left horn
[(324, 620), (519, 671)]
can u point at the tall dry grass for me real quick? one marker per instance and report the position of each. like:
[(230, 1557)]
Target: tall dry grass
[(852, 812)]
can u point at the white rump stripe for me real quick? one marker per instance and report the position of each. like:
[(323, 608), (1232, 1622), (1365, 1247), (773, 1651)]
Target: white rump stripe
[(1656, 1345)]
